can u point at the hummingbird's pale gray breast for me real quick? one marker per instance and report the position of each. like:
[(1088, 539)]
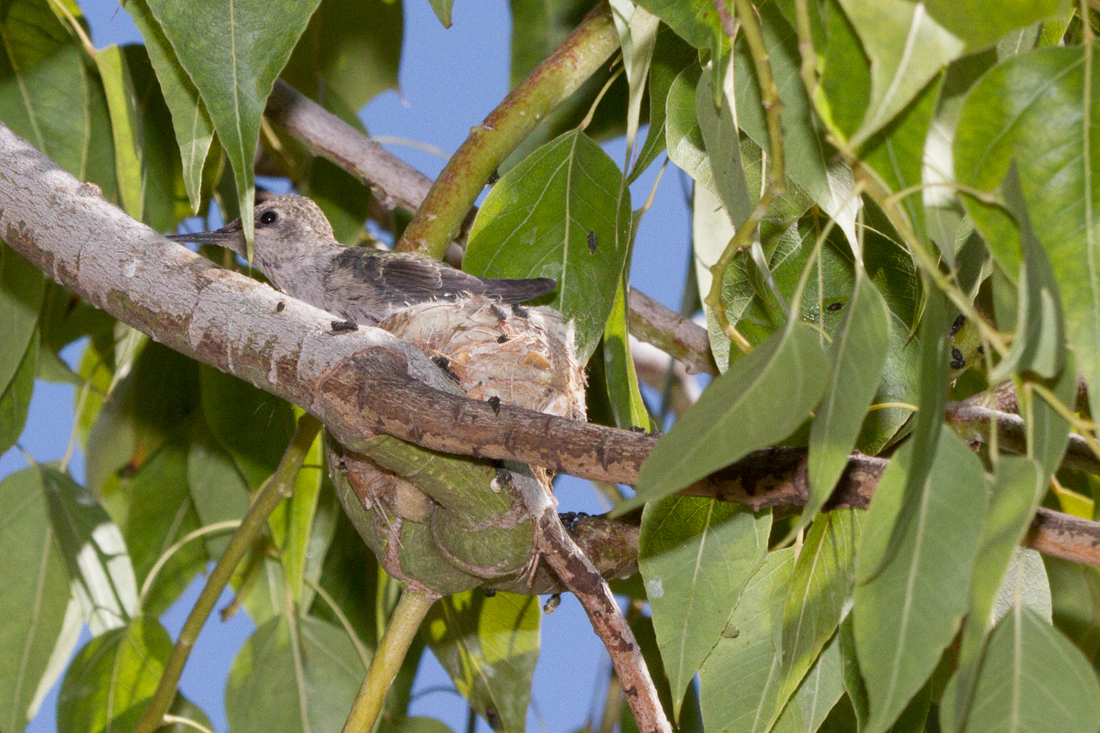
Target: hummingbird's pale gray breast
[(294, 247)]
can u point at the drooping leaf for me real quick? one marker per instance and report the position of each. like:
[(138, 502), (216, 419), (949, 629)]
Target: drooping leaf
[(234, 69), (1032, 678), (127, 126), (773, 388), (637, 29), (111, 680), (540, 219), (624, 396), (909, 612), (489, 647), (846, 76), (22, 288), (94, 551), (670, 56), (442, 10), (15, 400), (722, 140), (857, 358), (695, 556), (350, 52), (1046, 428), (218, 490), (34, 596), (301, 511), (683, 137), (696, 21), (907, 48), (973, 23), (190, 120), (1029, 109), (293, 679), (820, 586)]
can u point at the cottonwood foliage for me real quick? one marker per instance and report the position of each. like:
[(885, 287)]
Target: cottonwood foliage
[(935, 234)]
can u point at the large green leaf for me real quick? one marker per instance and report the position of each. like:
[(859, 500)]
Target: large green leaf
[(302, 541), (127, 126), (670, 56), (695, 556), (722, 140), (820, 586), (235, 68), (857, 358), (161, 513), (22, 288), (489, 647), (44, 94), (683, 138), (218, 490), (1033, 109), (907, 48), (972, 21), (623, 394), (349, 53), (560, 214), (190, 120), (15, 401), (1033, 679), (34, 595), (111, 680), (94, 551), (696, 21), (1018, 487), (637, 28), (293, 679), (773, 389), (907, 614)]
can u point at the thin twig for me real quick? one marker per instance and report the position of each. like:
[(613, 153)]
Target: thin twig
[(280, 486), (388, 658)]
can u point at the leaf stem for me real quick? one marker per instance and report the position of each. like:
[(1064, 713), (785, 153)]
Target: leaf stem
[(280, 486), (388, 658), (439, 219)]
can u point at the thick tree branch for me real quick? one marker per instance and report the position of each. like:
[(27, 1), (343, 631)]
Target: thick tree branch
[(398, 184), (363, 381)]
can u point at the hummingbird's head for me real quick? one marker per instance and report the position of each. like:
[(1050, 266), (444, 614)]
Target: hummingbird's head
[(285, 226)]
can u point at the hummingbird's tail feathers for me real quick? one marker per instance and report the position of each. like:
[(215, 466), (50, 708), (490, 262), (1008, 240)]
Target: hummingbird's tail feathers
[(518, 291)]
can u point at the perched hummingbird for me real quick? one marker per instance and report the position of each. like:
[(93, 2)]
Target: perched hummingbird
[(295, 248)]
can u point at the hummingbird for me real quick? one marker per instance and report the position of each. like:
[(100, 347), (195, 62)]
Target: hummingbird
[(295, 248)]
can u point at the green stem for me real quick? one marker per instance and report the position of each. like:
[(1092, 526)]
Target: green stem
[(280, 486), (388, 658), (439, 218)]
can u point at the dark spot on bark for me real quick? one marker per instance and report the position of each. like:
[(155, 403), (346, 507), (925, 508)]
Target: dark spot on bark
[(504, 476), (957, 324), (445, 364), (519, 310), (490, 592), (834, 307), (494, 402), (592, 241), (638, 429), (343, 326), (497, 312), (957, 360), (502, 338), (981, 350), (342, 464), (279, 308)]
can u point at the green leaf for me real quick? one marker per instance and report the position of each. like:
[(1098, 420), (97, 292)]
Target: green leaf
[(625, 398), (907, 614), (538, 221), (695, 556), (820, 690), (34, 596), (293, 679), (1047, 430), (235, 68), (161, 513), (683, 137), (820, 585), (44, 95), (670, 56), (190, 120), (907, 48), (350, 52), (218, 490), (22, 288), (1033, 679), (773, 388), (857, 358), (925, 442), (971, 20), (489, 647), (111, 680), (808, 160), (723, 145), (300, 513), (350, 576), (690, 720), (1029, 109), (442, 10), (1039, 343), (637, 28), (696, 21), (1075, 590), (127, 126), (1019, 485), (15, 401), (853, 680), (251, 425), (846, 78), (739, 682)]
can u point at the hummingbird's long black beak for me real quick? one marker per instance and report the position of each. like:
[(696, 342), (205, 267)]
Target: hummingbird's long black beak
[(230, 236)]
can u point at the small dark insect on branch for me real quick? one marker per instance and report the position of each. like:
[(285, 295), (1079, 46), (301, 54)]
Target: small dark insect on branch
[(592, 241), (344, 326)]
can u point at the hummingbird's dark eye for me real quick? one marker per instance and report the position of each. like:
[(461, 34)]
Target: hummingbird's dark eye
[(268, 217)]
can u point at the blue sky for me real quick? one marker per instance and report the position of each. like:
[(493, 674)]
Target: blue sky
[(450, 79)]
